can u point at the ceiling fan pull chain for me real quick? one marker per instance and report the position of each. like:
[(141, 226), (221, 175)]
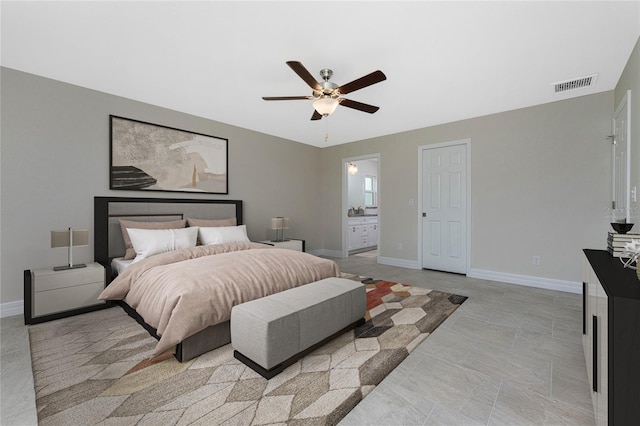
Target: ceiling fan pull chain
[(326, 135)]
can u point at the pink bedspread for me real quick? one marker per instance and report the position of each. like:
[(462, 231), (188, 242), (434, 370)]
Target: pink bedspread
[(183, 292)]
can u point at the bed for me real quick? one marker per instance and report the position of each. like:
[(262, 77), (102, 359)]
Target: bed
[(232, 272)]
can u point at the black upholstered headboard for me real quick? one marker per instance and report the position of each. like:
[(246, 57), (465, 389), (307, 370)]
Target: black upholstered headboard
[(108, 210)]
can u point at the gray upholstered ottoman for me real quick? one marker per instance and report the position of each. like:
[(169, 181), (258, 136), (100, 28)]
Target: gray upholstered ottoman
[(271, 333)]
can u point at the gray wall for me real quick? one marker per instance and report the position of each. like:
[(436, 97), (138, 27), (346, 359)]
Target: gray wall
[(630, 80), (55, 159), (539, 180)]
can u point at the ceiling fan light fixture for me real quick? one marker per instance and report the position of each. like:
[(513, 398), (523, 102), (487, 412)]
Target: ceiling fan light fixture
[(325, 105), (327, 95)]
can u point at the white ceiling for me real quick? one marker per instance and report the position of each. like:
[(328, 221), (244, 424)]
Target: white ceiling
[(444, 61)]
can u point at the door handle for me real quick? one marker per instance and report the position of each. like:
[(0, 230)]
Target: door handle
[(594, 355), (424, 214)]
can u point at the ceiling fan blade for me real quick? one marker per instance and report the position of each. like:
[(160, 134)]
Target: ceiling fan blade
[(302, 72), (286, 98), (359, 106), (367, 80), (316, 115)]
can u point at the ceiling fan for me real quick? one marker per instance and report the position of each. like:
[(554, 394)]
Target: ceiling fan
[(327, 94)]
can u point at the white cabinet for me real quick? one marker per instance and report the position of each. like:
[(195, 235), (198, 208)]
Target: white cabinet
[(364, 235), (53, 294), (362, 232), (373, 234), (354, 234)]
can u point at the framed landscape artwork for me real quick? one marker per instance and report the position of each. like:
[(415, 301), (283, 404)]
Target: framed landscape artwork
[(151, 157)]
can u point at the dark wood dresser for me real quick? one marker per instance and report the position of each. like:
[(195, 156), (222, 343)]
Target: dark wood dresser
[(611, 337)]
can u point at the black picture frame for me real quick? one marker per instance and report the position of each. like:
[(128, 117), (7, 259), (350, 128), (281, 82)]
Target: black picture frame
[(152, 157)]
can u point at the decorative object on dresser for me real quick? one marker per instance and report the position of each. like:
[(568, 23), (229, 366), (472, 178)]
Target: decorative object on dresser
[(151, 157), (622, 227), (617, 242), (630, 254), (52, 294), (611, 337), (69, 238), (279, 224), (291, 244)]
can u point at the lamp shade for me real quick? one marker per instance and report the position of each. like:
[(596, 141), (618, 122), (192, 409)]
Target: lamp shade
[(280, 223), (70, 237), (325, 105), (352, 169)]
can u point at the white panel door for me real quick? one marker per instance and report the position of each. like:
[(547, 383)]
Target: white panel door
[(444, 209), (621, 160)]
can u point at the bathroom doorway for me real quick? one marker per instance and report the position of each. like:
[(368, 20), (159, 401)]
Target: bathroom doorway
[(361, 206)]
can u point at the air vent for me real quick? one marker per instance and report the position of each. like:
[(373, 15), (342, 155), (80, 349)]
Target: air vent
[(576, 83)]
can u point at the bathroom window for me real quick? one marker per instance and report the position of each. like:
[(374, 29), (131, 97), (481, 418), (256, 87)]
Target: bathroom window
[(370, 189)]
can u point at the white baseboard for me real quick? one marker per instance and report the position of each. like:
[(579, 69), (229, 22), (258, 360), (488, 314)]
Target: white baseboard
[(10, 309), (504, 277), (401, 263), (538, 282)]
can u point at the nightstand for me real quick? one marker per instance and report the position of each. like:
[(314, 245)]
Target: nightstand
[(50, 294), (291, 244)]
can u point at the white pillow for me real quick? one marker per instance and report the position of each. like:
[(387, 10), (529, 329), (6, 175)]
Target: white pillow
[(223, 234), (147, 242)]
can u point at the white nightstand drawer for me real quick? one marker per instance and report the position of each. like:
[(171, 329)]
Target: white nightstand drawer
[(48, 279), (297, 245), (53, 294), (67, 298)]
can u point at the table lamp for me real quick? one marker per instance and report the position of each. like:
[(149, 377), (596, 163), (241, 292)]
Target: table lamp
[(70, 238), (279, 223)]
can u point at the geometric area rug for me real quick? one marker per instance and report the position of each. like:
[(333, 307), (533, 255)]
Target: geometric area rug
[(95, 369)]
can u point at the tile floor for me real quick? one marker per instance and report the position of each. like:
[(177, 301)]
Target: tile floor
[(17, 397), (509, 355)]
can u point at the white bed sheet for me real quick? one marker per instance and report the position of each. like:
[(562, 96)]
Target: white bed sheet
[(118, 264)]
